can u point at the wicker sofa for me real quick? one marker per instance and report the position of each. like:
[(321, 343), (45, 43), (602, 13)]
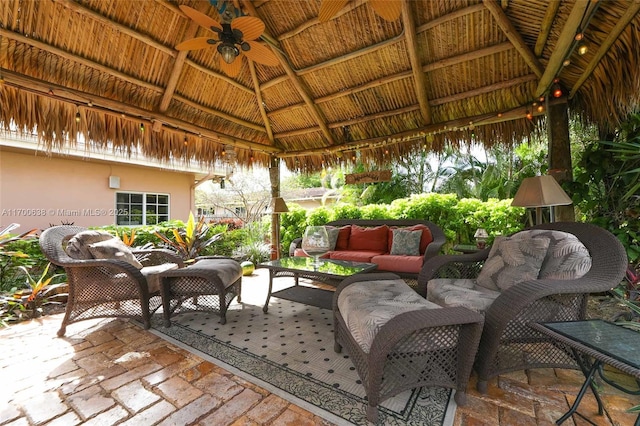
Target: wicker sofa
[(557, 292), (371, 241)]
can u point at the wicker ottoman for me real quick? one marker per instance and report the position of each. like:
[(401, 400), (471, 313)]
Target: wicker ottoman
[(207, 285), (397, 340)]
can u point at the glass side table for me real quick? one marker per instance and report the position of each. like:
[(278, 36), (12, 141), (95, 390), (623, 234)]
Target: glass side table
[(605, 343)]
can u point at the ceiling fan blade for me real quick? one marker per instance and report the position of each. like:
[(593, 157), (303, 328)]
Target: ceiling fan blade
[(196, 43), (232, 69), (328, 9), (261, 54), (251, 27), (387, 9), (200, 18)]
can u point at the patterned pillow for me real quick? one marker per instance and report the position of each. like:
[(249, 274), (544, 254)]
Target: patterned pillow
[(406, 243), (512, 260), (114, 249), (567, 258), (78, 245), (333, 232)]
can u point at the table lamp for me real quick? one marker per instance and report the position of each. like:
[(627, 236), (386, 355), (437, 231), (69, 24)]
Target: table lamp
[(538, 192), (481, 237)]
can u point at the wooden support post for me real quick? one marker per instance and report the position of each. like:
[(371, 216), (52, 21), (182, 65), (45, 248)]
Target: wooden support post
[(560, 153), (274, 177)]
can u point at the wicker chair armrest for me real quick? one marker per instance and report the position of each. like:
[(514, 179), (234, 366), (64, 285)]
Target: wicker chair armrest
[(119, 265), (161, 255), (434, 247), (433, 265)]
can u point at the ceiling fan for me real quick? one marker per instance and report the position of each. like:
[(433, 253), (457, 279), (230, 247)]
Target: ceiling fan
[(233, 39), (387, 9)]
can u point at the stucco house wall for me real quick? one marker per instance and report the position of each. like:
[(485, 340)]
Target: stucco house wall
[(37, 190)]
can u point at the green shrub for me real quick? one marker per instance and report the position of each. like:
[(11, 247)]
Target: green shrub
[(346, 211)]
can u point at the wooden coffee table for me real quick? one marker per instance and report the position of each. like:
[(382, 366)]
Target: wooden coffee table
[(329, 272)]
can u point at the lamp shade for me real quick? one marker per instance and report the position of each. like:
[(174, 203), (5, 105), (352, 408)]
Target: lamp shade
[(540, 191), (278, 205), (481, 233)]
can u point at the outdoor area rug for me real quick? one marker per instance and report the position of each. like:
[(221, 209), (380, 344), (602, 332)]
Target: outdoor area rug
[(289, 351)]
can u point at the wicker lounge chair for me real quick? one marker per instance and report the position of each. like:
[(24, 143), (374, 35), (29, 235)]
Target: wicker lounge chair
[(107, 287), (508, 343)]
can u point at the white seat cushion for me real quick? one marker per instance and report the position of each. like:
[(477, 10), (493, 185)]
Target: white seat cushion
[(450, 292)]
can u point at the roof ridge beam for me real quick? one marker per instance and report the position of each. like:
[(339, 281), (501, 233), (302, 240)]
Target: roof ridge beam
[(514, 36), (419, 77), (563, 46), (620, 26), (78, 8)]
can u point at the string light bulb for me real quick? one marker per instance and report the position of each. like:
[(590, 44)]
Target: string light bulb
[(142, 127), (582, 48), (186, 141), (540, 108), (556, 90), (529, 115), (77, 116)]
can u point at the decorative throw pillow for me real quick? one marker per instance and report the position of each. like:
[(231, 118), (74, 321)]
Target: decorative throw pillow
[(512, 261), (369, 239), (566, 259), (333, 233), (425, 239), (78, 245), (406, 243), (114, 249), (343, 238)]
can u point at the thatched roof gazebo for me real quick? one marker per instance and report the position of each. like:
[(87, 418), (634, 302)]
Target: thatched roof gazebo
[(355, 86)]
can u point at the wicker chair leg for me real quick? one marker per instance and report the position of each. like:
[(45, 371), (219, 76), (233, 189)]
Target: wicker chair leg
[(482, 386), (337, 347), (372, 413)]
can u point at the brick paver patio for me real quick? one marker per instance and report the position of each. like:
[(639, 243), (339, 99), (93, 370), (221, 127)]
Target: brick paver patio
[(107, 372)]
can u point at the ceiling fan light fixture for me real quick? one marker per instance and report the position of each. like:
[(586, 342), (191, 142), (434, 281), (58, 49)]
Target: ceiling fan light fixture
[(228, 52)]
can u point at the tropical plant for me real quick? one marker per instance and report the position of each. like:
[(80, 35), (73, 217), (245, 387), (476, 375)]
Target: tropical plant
[(29, 302), (6, 238), (127, 238), (190, 240)]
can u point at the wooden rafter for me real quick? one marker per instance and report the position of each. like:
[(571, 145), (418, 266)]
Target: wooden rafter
[(297, 83), (178, 64), (628, 16), (545, 27), (116, 108), (420, 80), (433, 102), (501, 47), (315, 21), (419, 133), (514, 37), (263, 113), (563, 46)]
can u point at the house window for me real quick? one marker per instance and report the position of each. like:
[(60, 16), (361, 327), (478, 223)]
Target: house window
[(141, 208)]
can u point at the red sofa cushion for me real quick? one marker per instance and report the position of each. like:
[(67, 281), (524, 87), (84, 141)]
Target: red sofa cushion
[(394, 263), (425, 239), (355, 256), (369, 239), (343, 238)]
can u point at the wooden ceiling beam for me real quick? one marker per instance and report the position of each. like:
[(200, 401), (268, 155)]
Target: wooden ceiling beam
[(419, 78), (514, 37), (563, 46), (297, 83), (263, 113), (469, 56), (434, 102), (620, 26), (451, 16), (116, 108), (420, 133), (78, 8), (545, 27), (220, 114), (178, 64)]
